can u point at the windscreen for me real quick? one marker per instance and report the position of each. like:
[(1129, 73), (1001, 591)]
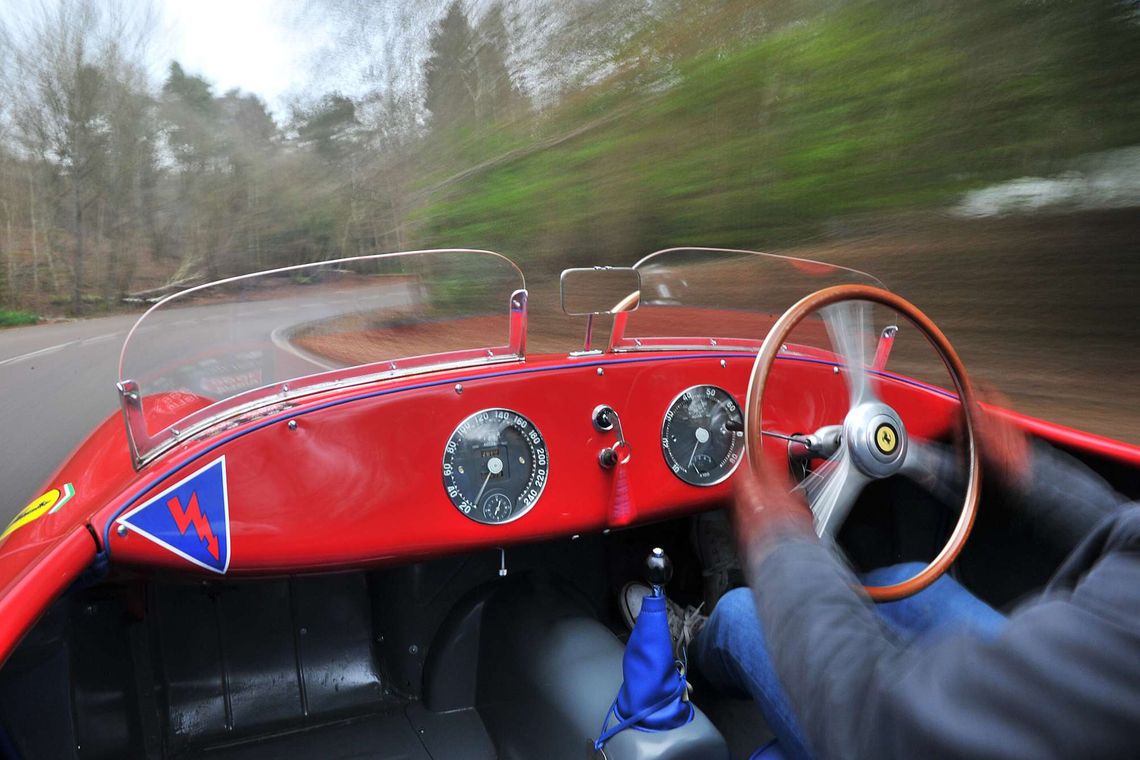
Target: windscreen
[(232, 344), (707, 298)]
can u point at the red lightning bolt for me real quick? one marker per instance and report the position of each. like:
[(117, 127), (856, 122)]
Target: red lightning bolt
[(192, 514)]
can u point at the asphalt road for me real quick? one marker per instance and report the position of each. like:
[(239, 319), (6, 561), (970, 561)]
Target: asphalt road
[(58, 383), (58, 380)]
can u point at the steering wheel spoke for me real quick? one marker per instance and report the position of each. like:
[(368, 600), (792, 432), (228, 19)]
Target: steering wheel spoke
[(848, 324), (831, 491), (933, 466)]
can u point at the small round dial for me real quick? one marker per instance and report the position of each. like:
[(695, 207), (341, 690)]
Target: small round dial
[(494, 466), (703, 435)]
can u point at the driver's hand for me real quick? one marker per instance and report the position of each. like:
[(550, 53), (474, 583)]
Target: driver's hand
[(1004, 448), (766, 510)]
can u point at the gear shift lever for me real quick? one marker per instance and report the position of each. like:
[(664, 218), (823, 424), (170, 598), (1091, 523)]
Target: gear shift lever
[(658, 570), (654, 694)]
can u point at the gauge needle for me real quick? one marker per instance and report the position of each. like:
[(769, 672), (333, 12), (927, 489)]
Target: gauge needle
[(702, 437), (483, 487), (693, 455), (494, 467)]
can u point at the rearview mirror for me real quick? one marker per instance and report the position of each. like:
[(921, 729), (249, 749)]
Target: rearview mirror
[(600, 290)]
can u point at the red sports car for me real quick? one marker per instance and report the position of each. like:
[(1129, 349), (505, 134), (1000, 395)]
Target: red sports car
[(345, 513)]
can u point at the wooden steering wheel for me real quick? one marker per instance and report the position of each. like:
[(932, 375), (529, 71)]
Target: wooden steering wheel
[(872, 441)]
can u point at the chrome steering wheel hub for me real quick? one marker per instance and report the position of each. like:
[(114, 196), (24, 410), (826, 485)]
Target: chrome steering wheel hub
[(876, 439)]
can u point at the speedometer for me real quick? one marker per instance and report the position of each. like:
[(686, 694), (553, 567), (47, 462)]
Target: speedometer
[(494, 466), (703, 435)]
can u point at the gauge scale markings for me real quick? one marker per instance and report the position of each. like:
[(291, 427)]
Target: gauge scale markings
[(702, 436), (495, 466)]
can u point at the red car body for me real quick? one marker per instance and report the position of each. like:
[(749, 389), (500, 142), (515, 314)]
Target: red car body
[(349, 477)]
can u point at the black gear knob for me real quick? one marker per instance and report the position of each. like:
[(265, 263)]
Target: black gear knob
[(658, 567)]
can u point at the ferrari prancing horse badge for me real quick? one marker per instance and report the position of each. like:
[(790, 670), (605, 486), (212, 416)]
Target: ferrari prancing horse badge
[(886, 439)]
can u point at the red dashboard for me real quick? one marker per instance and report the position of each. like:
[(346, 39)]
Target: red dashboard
[(354, 478)]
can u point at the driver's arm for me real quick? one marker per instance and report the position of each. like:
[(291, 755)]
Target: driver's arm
[(1061, 496), (1060, 681)]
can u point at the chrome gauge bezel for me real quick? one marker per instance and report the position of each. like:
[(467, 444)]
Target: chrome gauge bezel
[(540, 465), (665, 449)]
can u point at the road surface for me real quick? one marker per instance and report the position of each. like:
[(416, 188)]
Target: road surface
[(58, 383)]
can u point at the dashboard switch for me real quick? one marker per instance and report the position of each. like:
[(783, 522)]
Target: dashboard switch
[(603, 418)]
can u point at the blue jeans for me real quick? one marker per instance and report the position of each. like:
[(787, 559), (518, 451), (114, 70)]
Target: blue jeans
[(730, 653)]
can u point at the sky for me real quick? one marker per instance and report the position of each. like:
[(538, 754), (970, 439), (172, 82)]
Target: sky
[(281, 49), (253, 45), (247, 44)]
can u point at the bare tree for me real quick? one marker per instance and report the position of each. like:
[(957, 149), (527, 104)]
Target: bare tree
[(77, 65)]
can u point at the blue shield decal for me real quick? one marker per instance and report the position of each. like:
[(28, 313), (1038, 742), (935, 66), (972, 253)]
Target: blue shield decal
[(191, 518)]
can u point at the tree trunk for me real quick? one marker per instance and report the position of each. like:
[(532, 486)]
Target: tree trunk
[(48, 230), (117, 240), (35, 247), (9, 249), (77, 261)]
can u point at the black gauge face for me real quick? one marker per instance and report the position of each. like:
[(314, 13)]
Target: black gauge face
[(494, 466), (703, 435)]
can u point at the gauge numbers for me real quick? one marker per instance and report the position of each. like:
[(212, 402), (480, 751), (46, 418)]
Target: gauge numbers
[(703, 435), (495, 466)]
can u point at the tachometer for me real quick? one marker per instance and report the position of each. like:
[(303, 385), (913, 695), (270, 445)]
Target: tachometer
[(494, 466), (703, 435)]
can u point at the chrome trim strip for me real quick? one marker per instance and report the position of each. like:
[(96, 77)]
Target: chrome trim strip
[(627, 345)]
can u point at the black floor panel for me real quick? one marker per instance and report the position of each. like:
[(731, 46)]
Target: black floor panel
[(378, 737)]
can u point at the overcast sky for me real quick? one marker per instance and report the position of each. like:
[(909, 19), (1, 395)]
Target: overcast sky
[(281, 48), (248, 44)]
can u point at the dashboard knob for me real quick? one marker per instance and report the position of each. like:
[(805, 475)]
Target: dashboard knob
[(658, 567)]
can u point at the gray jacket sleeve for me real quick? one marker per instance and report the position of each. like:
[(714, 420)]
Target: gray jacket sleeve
[(1063, 679), (1062, 497)]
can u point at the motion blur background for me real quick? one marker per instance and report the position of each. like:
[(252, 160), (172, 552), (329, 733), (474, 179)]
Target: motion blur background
[(981, 157)]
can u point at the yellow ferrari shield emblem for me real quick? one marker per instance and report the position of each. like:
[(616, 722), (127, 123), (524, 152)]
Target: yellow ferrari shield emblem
[(886, 438)]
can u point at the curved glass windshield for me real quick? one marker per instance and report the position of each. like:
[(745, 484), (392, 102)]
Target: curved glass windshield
[(224, 348), (710, 298)]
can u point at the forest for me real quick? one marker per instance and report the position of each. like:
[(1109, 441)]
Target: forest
[(577, 132)]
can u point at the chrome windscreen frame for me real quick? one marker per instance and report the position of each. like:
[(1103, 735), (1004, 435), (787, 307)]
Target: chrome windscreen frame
[(146, 447)]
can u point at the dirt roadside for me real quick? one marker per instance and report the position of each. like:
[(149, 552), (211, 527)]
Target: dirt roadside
[(1045, 308)]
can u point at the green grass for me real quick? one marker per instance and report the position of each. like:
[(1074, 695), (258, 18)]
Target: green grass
[(16, 318)]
